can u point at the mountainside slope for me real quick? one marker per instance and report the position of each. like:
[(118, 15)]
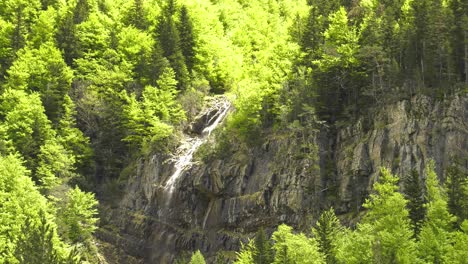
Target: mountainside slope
[(224, 199)]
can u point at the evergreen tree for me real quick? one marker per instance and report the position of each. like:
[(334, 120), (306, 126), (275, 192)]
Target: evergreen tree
[(81, 11), (457, 191), (435, 237), (414, 194), (36, 244), (292, 248), (384, 235), (187, 38), (169, 40), (245, 255), (263, 252), (137, 15), (66, 38), (197, 258), (79, 216), (328, 227), (459, 38)]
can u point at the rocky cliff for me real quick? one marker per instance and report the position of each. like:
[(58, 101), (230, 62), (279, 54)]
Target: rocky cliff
[(226, 196)]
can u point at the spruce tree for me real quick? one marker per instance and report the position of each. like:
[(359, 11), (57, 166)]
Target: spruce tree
[(435, 237), (263, 253), (457, 191), (413, 191), (169, 40), (187, 38), (327, 228), (197, 258), (37, 242)]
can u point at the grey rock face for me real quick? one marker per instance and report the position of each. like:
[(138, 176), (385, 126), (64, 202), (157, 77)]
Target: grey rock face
[(288, 179)]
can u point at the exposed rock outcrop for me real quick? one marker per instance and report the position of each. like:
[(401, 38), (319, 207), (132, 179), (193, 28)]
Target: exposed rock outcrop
[(288, 179)]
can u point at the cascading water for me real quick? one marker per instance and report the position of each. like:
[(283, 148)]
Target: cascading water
[(190, 144)]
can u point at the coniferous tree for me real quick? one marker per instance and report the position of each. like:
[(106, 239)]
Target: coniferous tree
[(37, 243), (413, 191), (384, 235), (197, 258), (263, 252), (187, 38), (66, 38), (169, 39), (459, 38), (295, 248), (457, 191), (326, 231), (435, 238), (137, 15)]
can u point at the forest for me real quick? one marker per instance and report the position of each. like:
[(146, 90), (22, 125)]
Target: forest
[(87, 87)]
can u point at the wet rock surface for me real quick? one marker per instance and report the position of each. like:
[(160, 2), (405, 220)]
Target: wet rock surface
[(287, 179)]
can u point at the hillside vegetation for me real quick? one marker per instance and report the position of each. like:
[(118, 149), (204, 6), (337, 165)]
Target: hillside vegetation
[(89, 86)]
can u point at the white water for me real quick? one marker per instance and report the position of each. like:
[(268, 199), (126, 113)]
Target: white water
[(189, 145)]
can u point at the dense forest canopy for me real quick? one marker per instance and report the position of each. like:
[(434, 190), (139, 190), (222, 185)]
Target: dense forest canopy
[(87, 86)]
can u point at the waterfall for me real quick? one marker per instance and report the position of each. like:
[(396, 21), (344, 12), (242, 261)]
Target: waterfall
[(190, 144)]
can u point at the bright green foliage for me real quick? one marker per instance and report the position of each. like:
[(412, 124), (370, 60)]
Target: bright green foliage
[(6, 51), (162, 101), (79, 216), (326, 232), (197, 258), (44, 71), (384, 235), (25, 123), (341, 39), (54, 163), (458, 253), (37, 244), (141, 123), (292, 248), (94, 35), (43, 30), (245, 255), (26, 232), (22, 14), (71, 138), (435, 236)]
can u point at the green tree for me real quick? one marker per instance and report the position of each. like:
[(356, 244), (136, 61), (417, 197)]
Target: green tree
[(245, 255), (263, 250), (169, 40), (435, 236), (27, 233), (136, 15), (458, 253), (161, 101), (413, 191), (197, 258), (187, 38), (66, 38), (22, 14), (25, 124), (457, 191), (79, 216), (6, 50), (326, 232), (38, 244), (42, 70), (292, 248), (384, 235)]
